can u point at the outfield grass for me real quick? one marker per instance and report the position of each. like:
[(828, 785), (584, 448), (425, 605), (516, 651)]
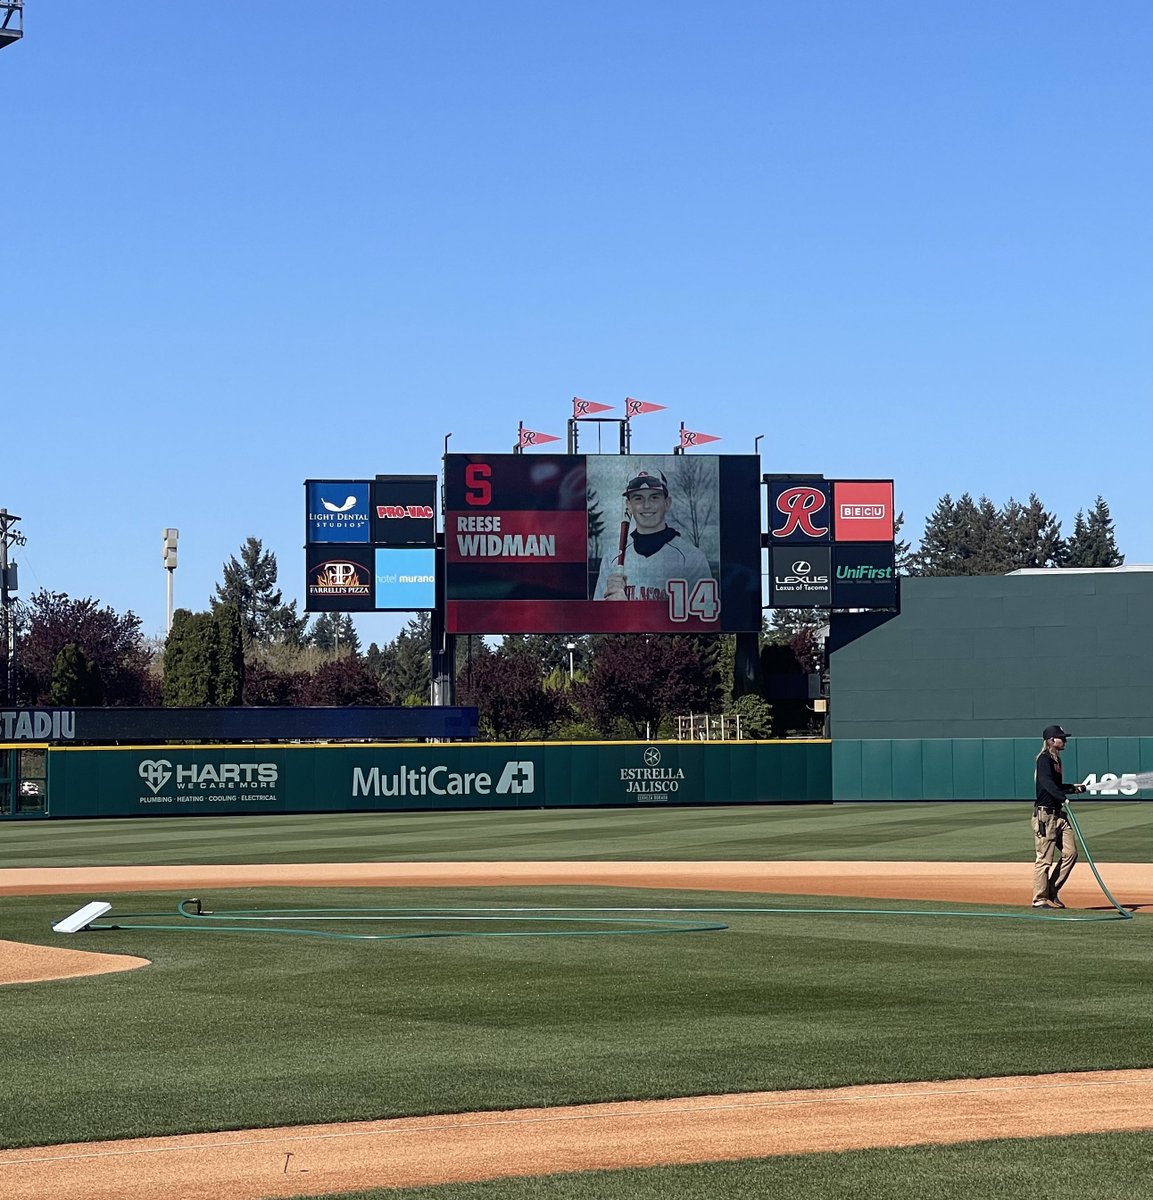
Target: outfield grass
[(985, 832), (233, 1030), (1107, 1166)]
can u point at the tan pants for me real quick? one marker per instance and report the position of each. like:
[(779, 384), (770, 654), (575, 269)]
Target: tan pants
[(1056, 846)]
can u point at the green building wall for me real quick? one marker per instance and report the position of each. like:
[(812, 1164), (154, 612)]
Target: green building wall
[(999, 657)]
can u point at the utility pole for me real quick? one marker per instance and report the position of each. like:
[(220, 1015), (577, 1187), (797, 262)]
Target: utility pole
[(8, 584)]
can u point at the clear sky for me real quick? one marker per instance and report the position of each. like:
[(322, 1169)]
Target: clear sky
[(249, 244)]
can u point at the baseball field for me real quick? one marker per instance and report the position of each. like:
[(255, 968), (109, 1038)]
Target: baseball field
[(852, 1000)]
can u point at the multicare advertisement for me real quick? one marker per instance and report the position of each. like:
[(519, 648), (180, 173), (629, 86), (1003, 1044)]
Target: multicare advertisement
[(602, 543)]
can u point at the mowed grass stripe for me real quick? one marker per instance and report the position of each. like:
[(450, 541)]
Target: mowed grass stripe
[(1099, 1166), (985, 832)]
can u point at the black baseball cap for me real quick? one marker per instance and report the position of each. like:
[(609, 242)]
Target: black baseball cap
[(1054, 731), (647, 481)]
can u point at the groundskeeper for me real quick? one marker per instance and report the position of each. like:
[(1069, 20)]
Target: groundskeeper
[(1053, 837)]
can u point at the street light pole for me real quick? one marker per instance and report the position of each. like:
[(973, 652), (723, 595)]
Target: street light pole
[(570, 647), (171, 537)]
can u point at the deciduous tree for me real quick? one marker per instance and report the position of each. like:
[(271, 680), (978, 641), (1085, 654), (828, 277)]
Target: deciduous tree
[(508, 691), (112, 644), (342, 681), (641, 679)]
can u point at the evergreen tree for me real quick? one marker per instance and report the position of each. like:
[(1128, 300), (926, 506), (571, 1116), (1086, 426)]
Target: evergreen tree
[(549, 650), (407, 673), (374, 658), (285, 627), (904, 560), (1094, 543), (974, 538), (75, 680), (250, 586), (787, 623), (965, 537), (334, 631), (191, 660), (229, 684), (1033, 535)]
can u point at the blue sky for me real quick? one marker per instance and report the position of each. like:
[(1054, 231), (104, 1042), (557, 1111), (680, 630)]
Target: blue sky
[(277, 240)]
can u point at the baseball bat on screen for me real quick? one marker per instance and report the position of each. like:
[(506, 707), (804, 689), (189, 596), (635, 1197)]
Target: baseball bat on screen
[(624, 543)]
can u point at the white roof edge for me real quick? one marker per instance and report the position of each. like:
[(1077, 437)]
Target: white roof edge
[(1081, 570)]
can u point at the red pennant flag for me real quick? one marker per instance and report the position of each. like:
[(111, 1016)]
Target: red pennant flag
[(529, 437), (586, 408), (688, 438), (634, 408)]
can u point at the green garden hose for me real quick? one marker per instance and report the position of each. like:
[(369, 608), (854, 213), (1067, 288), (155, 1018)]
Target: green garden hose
[(1125, 914), (643, 919), (275, 920)]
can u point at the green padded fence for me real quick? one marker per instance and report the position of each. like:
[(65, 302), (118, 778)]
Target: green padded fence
[(245, 778), (977, 768)]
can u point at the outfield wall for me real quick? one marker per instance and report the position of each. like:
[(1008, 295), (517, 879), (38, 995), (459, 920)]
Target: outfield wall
[(245, 778), (880, 769), (190, 780)]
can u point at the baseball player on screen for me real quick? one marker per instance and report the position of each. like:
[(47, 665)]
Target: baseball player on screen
[(653, 552)]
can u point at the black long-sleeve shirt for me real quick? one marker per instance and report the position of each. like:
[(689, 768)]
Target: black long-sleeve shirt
[(1051, 786)]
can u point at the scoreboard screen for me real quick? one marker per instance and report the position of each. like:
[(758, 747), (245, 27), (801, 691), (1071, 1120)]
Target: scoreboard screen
[(602, 543)]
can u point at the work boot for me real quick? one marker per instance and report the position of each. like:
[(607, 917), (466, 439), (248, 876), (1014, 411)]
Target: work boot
[(1046, 904), (1055, 903)]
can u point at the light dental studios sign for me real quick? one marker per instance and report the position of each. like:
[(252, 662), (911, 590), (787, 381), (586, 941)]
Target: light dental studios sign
[(37, 725)]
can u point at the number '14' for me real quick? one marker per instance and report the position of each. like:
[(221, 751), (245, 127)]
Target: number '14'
[(704, 601)]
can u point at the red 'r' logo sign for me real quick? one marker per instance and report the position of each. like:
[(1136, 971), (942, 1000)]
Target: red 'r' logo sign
[(800, 505)]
